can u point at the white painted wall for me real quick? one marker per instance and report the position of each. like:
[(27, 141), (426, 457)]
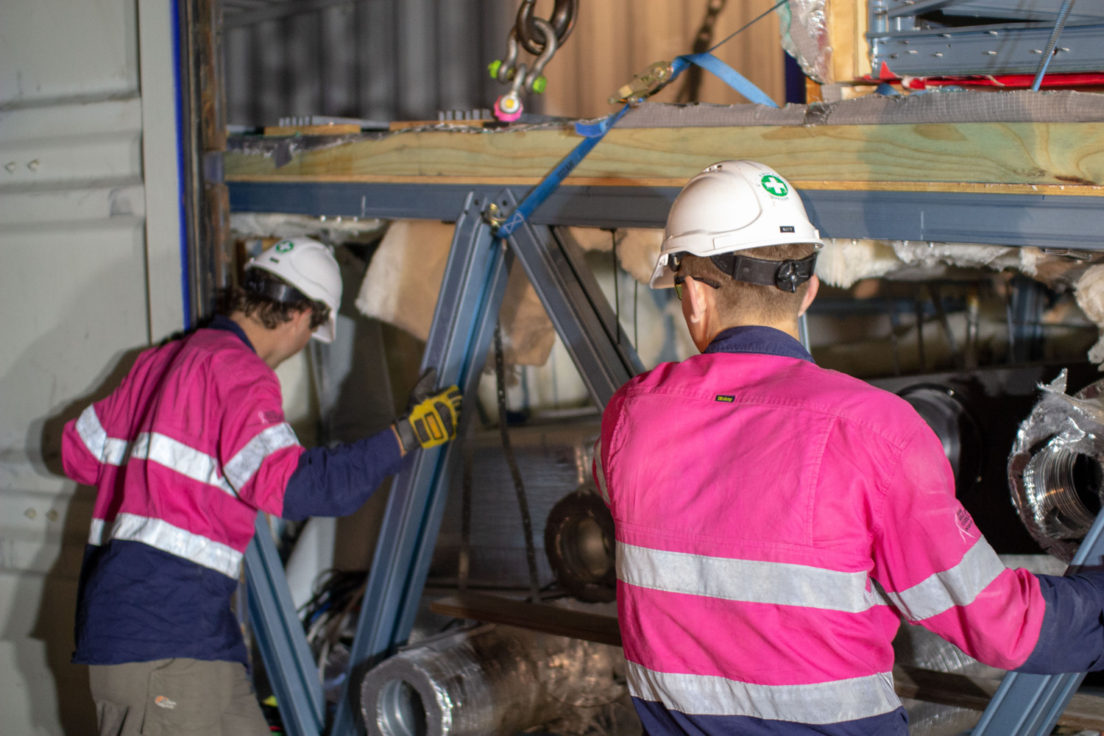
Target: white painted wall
[(89, 273)]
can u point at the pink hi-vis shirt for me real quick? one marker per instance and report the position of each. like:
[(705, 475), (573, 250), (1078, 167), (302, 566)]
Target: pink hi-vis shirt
[(183, 454), (774, 520)]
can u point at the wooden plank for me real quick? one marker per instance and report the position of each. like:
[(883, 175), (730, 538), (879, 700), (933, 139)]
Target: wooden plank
[(533, 616), (328, 129), (1083, 711), (846, 22), (1066, 157)]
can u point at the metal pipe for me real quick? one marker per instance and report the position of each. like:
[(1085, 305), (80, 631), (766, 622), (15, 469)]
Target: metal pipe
[(1048, 53), (487, 681)]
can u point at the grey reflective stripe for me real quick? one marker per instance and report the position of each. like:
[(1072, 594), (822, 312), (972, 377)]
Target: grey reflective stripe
[(825, 702), (164, 536), (95, 533), (748, 581), (109, 450), (159, 448), (180, 458), (958, 586), (249, 459), (600, 471)]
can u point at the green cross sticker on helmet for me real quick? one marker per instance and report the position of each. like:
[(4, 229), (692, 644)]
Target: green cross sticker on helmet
[(284, 246), (774, 185)]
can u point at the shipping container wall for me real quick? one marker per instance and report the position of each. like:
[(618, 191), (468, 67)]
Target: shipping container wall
[(89, 242)]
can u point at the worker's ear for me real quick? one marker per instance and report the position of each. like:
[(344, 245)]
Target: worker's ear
[(810, 294), (697, 297)]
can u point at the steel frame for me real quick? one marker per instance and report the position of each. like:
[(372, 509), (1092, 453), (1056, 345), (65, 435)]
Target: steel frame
[(1042, 220), (462, 329), (460, 337), (280, 638), (898, 40)]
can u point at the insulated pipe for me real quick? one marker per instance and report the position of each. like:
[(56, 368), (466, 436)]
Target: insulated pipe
[(486, 681), (1056, 467)]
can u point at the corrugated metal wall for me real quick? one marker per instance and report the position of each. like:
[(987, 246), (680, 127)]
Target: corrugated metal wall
[(409, 60), (366, 59), (74, 219)]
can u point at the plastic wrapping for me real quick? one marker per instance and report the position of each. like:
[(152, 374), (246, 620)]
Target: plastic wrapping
[(487, 681), (1055, 469), (805, 36)]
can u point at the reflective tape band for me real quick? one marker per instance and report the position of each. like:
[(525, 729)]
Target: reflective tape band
[(96, 532), (958, 586), (183, 459), (162, 535), (747, 581), (824, 702), (249, 459), (109, 450), (180, 458)]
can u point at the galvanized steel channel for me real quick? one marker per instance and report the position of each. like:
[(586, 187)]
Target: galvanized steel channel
[(1041, 220)]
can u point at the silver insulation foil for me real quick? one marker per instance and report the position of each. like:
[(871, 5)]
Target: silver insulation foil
[(804, 29), (1054, 471), (491, 680)]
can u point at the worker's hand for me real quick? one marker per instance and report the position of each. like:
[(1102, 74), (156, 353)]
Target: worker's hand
[(432, 416)]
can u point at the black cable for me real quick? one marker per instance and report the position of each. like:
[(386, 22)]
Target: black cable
[(508, 450), (616, 291), (747, 25)]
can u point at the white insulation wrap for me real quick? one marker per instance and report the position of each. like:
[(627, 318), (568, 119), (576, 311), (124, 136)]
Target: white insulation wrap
[(486, 681), (1055, 469)]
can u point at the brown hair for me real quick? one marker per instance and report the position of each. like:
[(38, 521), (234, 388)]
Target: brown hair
[(252, 299), (738, 301)]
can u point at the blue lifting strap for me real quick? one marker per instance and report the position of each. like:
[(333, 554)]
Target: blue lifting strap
[(725, 73), (593, 133)]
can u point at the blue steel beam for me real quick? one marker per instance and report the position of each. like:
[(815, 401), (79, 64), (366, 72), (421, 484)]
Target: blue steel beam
[(288, 661), (1042, 220), (459, 338)]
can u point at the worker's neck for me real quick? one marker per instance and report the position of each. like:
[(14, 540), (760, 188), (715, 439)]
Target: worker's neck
[(787, 326), (265, 342)]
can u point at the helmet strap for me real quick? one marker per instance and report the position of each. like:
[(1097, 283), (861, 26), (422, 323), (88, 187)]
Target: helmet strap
[(272, 288), (784, 275)]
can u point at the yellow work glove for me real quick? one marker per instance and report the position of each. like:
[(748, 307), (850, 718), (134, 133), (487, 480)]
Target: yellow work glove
[(432, 416)]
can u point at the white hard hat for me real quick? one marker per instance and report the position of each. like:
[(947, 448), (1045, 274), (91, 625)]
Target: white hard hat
[(732, 206), (311, 268)]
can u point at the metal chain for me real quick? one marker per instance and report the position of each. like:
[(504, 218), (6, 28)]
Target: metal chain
[(691, 85), (562, 21)]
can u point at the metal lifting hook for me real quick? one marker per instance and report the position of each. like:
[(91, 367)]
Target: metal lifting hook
[(508, 107)]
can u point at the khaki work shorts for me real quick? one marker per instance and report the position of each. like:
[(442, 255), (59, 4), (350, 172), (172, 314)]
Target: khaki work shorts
[(176, 697)]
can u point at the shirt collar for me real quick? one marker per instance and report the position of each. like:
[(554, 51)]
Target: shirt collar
[(758, 339), (222, 322)]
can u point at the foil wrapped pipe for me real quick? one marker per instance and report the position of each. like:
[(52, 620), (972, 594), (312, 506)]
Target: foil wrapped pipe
[(487, 681), (1055, 471)]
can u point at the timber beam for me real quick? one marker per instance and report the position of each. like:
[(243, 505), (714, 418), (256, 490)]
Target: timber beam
[(1009, 183)]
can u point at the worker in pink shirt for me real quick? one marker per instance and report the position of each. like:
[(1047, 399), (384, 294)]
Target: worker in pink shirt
[(183, 455), (775, 521)]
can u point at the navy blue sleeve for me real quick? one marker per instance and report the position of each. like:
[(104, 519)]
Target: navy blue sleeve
[(336, 481), (1072, 635)]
